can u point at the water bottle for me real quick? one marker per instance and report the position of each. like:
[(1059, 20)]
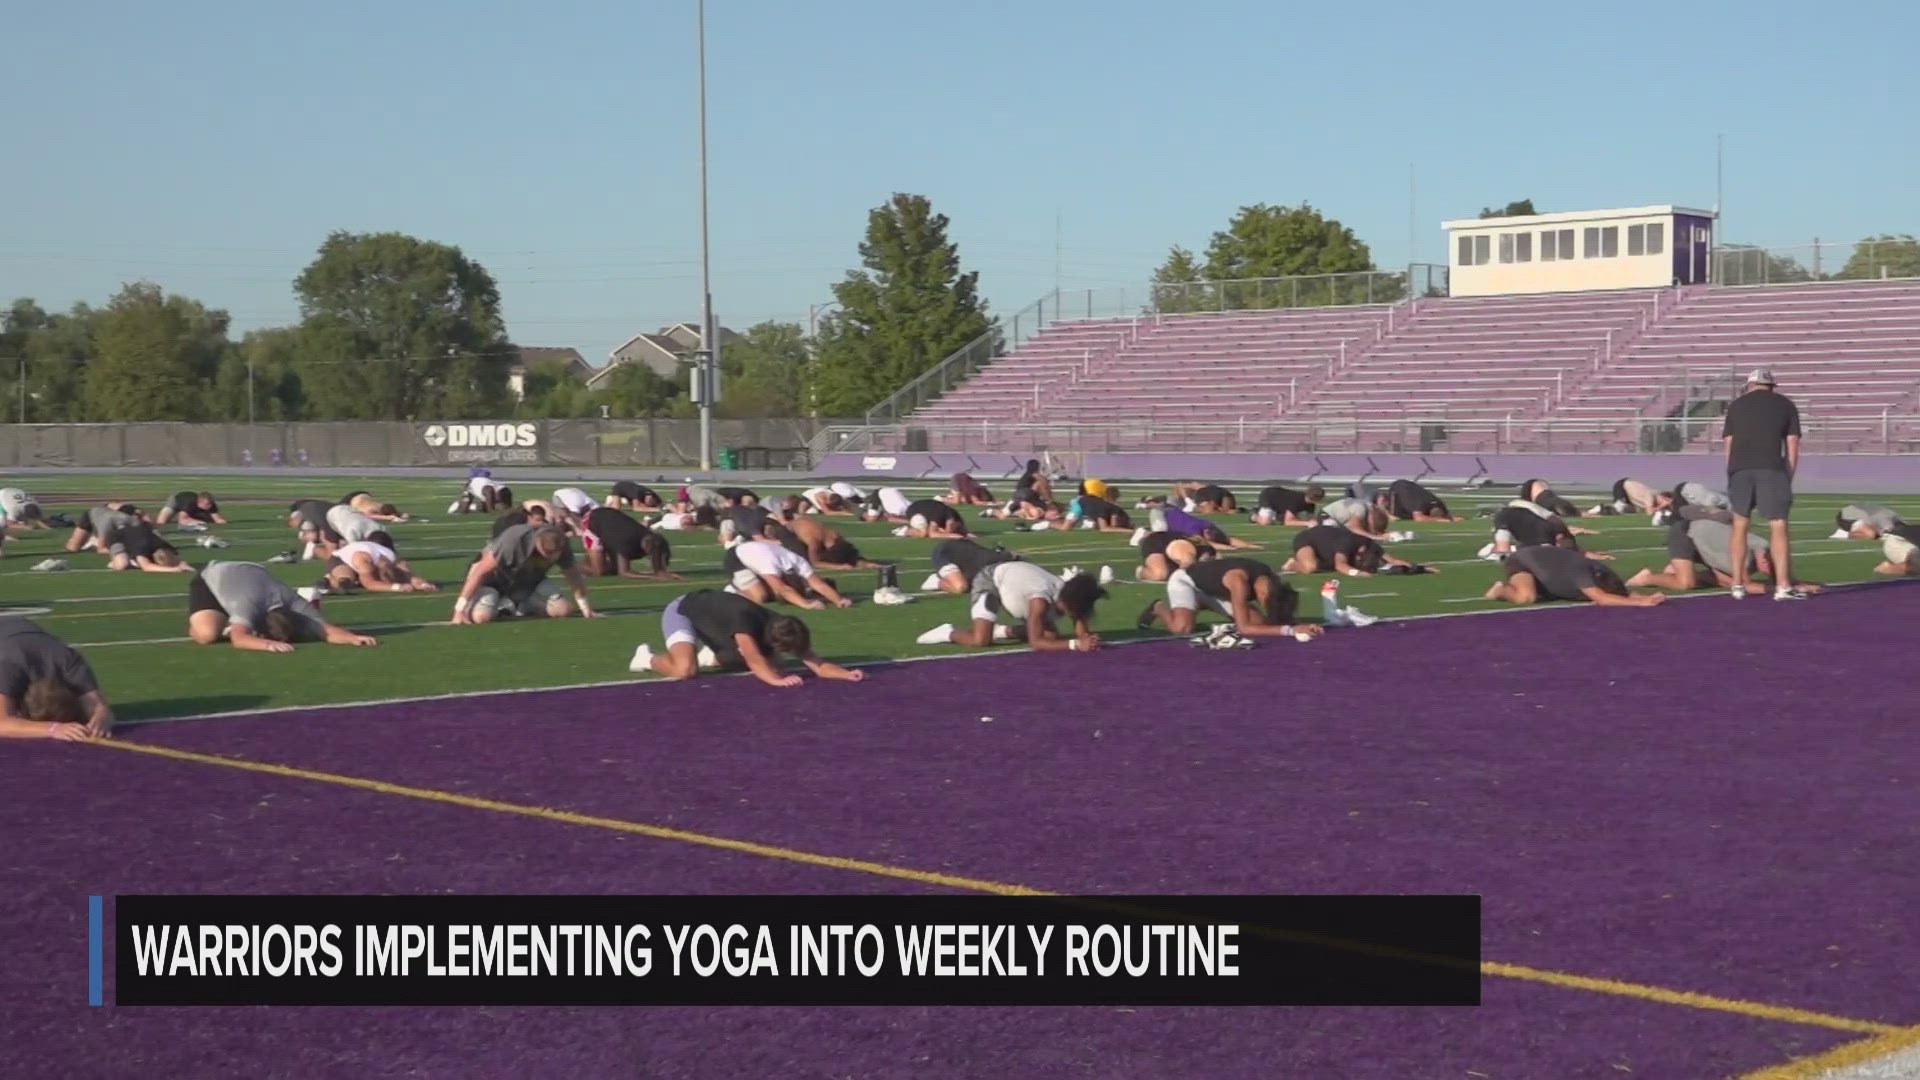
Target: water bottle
[(1330, 601), (888, 576)]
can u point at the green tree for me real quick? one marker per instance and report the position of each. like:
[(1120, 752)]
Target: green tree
[(1319, 260), (395, 327), (272, 356), (151, 359), (635, 390), (1744, 264), (1886, 255), (54, 350), (910, 308), (1520, 208), (1174, 281), (763, 371)]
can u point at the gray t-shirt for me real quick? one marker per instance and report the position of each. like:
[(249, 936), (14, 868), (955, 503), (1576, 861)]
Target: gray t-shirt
[(1562, 573), (1695, 493), (520, 568), (247, 591), (1881, 518), (1343, 511), (1712, 542), (1015, 585), (105, 522), (699, 495)]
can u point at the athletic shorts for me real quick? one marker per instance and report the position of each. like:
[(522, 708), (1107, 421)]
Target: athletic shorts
[(677, 627), (531, 605), (1898, 549), (1183, 595), (1762, 493)]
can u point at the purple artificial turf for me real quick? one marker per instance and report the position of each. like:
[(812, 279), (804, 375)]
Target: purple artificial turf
[(1729, 814)]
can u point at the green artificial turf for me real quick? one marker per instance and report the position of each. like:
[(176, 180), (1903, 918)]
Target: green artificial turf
[(131, 625)]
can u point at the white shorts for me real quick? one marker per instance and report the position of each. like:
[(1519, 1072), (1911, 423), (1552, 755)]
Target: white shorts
[(985, 606), (742, 579), (677, 627), (1502, 536), (532, 606), (1184, 595), (1898, 550)]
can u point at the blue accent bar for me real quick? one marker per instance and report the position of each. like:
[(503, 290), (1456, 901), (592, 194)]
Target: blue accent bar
[(96, 912)]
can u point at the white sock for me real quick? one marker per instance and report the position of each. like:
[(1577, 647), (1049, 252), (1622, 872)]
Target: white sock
[(705, 658), (1002, 632), (932, 583), (939, 635), (642, 659), (307, 552)]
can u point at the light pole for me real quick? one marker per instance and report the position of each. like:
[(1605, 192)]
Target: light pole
[(709, 333)]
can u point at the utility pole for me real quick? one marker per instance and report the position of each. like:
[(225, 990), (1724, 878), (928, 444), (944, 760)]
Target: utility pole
[(704, 380)]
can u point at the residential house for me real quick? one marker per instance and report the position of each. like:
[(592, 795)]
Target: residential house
[(572, 364), (664, 353)]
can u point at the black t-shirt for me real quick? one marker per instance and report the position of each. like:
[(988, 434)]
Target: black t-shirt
[(1284, 501), (1099, 509), (619, 534), (1328, 541), (1529, 528), (736, 493), (28, 653), (1562, 573), (1550, 500), (516, 516), (312, 512), (1759, 422), (141, 542), (935, 511), (1210, 576), (188, 503), (1406, 498), (1212, 493), (970, 557), (748, 521), (717, 616)]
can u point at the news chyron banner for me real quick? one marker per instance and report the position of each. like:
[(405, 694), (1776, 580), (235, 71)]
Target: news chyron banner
[(796, 950)]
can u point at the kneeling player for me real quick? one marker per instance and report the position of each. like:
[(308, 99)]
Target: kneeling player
[(137, 546), (1095, 512), (1629, 496), (931, 519), (619, 543), (1200, 498), (19, 510), (249, 607), (1699, 538), (483, 494), (100, 524), (969, 492), (633, 495), (1405, 500), (1283, 506), (709, 629), (1540, 494), (1900, 550), (764, 571), (47, 689), (1533, 574), (509, 577), (191, 506), (374, 508), (1522, 523), (1359, 515), (371, 565), (1330, 549), (1032, 597), (1177, 521), (820, 545), (1246, 591)]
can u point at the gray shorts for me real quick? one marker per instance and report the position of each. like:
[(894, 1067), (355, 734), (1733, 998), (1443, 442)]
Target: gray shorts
[(677, 627), (1761, 493)]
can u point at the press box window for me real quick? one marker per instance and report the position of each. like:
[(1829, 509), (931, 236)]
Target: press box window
[(1601, 243), (1474, 250), (1645, 239), (1556, 245)]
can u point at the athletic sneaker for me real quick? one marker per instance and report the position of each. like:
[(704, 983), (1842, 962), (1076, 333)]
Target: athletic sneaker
[(1106, 575), (642, 659), (890, 596), (45, 565), (1738, 592), (1356, 617), (285, 557), (932, 584), (1138, 535), (1790, 594), (939, 635), (309, 594)]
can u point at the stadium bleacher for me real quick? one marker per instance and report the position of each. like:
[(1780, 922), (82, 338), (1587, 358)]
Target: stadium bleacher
[(1589, 366)]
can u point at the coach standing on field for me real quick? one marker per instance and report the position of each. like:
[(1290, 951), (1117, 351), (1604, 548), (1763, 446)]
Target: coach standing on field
[(1763, 451)]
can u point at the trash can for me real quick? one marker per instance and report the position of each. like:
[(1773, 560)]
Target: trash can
[(729, 458)]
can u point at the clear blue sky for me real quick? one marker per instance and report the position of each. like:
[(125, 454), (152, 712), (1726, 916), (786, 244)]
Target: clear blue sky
[(210, 146)]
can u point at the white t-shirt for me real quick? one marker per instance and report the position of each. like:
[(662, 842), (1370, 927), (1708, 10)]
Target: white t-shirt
[(818, 496), (846, 490), (769, 559), (482, 486), (379, 553), (13, 504), (894, 501), (575, 500)]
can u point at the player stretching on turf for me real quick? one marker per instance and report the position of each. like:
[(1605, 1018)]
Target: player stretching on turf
[(47, 689), (1533, 574), (252, 609), (1246, 591), (716, 630), (1032, 597)]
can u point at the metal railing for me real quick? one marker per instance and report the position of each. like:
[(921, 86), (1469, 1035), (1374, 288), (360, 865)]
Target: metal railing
[(1820, 260), (1131, 302), (1431, 431)]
